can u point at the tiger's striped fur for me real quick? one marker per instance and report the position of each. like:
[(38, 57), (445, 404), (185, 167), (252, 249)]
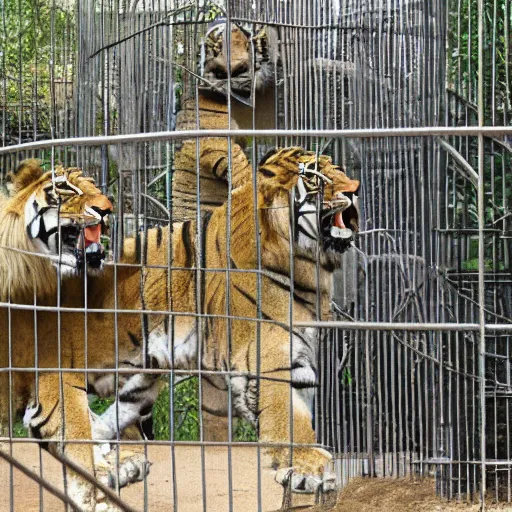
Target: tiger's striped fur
[(210, 111), (282, 359)]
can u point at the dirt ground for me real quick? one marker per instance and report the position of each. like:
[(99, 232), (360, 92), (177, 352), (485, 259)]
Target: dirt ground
[(361, 495), (403, 495), (160, 497)]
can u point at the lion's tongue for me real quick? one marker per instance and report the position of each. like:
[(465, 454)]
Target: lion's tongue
[(92, 235), (338, 220)]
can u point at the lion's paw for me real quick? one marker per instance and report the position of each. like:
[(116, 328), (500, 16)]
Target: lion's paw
[(304, 483)]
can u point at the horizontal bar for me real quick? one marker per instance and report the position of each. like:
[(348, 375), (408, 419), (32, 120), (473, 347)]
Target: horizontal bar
[(120, 370), (394, 326), (387, 326), (164, 312), (463, 131), (154, 442), (501, 462), (324, 324)]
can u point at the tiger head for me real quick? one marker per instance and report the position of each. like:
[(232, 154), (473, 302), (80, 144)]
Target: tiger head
[(64, 214), (325, 204), (250, 62)]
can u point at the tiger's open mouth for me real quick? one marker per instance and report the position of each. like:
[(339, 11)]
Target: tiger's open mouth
[(340, 222)]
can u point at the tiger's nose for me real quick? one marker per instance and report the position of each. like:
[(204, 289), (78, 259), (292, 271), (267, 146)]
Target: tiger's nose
[(101, 206)]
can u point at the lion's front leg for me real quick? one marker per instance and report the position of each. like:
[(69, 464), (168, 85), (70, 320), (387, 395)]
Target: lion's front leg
[(44, 420)]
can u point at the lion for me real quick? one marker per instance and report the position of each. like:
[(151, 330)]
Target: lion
[(50, 229), (263, 366)]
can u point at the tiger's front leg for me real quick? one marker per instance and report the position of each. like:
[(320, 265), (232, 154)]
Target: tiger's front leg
[(282, 414), (136, 399), (140, 391), (285, 415), (44, 420)]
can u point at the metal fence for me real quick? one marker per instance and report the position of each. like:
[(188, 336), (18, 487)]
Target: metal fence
[(413, 98)]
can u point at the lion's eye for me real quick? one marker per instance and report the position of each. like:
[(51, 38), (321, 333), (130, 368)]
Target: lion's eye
[(65, 189)]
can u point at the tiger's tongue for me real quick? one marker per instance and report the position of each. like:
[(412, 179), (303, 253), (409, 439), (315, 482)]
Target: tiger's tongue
[(92, 235), (338, 220)]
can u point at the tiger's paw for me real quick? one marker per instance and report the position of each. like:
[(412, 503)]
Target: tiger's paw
[(133, 467), (310, 472), (304, 483)]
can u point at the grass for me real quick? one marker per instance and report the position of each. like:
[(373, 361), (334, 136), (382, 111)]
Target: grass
[(18, 429), (186, 415), (472, 265)]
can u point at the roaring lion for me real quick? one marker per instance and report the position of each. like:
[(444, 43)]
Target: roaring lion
[(269, 366), (50, 230)]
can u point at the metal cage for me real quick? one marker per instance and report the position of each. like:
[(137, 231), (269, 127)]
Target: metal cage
[(412, 97)]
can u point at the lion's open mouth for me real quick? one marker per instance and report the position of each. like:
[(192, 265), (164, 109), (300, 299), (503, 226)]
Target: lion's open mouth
[(340, 222), (84, 242)]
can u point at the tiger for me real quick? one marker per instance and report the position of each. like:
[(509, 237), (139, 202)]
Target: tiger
[(209, 110), (253, 60), (325, 212), (50, 230)]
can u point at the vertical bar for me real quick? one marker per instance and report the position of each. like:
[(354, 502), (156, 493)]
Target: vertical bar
[(481, 253)]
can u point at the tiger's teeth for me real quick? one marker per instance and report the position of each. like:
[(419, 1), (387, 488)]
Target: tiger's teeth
[(343, 233), (93, 248)]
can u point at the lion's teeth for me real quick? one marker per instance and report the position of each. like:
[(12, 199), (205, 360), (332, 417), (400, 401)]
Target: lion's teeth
[(341, 232), (94, 247)]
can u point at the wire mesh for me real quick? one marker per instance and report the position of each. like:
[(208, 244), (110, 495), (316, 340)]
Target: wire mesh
[(413, 365)]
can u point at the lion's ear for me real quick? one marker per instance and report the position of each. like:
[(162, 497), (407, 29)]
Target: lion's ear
[(27, 172)]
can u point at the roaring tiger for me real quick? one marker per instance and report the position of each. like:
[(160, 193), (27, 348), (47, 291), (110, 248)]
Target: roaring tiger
[(50, 228), (209, 110), (263, 366), (252, 69)]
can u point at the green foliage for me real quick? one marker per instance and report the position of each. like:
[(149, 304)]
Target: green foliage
[(186, 407), (18, 429), (472, 265), (99, 405), (186, 415), (464, 54), (27, 54), (244, 431), (347, 377)]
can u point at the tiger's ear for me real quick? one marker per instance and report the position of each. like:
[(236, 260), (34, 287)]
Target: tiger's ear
[(27, 172), (281, 166), (267, 155), (278, 171)]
